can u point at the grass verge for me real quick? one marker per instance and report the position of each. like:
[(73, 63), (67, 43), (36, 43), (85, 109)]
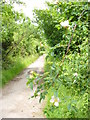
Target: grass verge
[(70, 105), (19, 65)]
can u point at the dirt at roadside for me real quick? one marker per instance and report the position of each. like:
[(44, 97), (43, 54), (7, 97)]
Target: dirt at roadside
[(15, 96)]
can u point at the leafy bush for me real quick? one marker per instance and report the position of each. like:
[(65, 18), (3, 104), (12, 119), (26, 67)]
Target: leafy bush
[(49, 21), (66, 69), (71, 86), (18, 42), (18, 36), (8, 26)]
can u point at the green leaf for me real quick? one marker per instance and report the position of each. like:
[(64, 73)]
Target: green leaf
[(31, 85), (56, 93), (57, 26), (69, 107), (52, 53), (74, 109)]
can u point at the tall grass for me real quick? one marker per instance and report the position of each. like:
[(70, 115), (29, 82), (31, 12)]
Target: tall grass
[(19, 65)]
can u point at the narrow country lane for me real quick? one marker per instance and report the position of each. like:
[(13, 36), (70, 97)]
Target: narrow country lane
[(15, 96)]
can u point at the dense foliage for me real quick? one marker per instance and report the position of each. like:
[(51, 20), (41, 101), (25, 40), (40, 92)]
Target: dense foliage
[(18, 35), (19, 39), (65, 79), (55, 33)]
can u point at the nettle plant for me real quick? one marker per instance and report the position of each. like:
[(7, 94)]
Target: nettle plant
[(69, 29)]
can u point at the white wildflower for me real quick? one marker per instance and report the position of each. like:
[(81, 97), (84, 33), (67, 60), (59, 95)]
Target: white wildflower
[(87, 54), (55, 101), (55, 1), (56, 104), (74, 81), (53, 97), (65, 24), (38, 93), (58, 10), (75, 74), (32, 94), (52, 100), (31, 76), (58, 100), (31, 72)]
